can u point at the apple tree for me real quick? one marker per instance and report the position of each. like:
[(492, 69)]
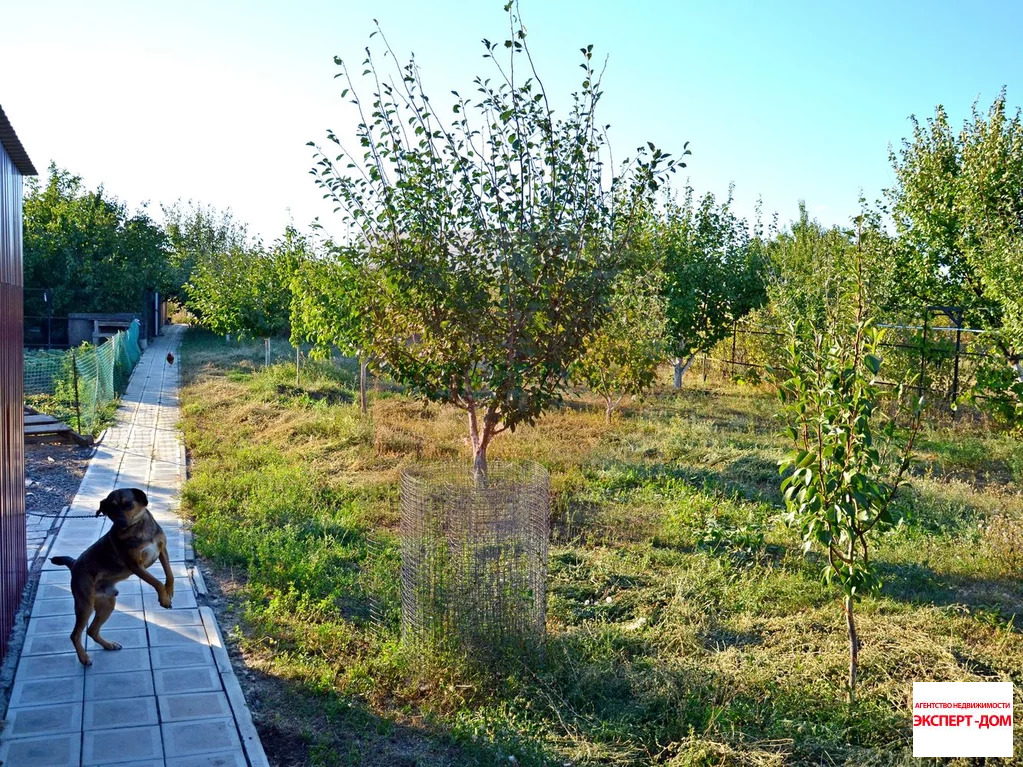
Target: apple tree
[(491, 238)]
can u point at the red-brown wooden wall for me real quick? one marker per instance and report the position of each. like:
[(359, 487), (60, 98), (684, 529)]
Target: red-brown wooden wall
[(13, 566)]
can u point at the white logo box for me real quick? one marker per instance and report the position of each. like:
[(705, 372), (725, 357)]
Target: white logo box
[(962, 719)]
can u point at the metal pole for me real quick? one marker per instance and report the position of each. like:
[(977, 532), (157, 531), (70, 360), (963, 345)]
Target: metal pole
[(955, 368), (362, 383), (74, 376), (923, 356), (735, 331), (49, 317)]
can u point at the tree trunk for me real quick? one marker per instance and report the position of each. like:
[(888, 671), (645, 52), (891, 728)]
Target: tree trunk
[(608, 410), (298, 367), (480, 442), (479, 464), (681, 369), (362, 384), (479, 448), (266, 352), (854, 648), (1018, 366)]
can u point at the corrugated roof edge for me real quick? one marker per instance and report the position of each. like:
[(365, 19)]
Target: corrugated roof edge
[(14, 149)]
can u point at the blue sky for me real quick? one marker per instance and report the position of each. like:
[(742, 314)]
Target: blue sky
[(214, 101)]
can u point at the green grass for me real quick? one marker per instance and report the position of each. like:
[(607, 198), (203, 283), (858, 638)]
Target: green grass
[(685, 625)]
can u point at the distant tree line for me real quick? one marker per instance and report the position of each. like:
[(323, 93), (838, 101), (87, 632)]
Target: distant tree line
[(88, 251), (515, 286)]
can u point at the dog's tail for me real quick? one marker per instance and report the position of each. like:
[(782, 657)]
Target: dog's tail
[(66, 561)]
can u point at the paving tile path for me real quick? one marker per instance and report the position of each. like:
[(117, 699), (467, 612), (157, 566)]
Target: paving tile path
[(169, 698)]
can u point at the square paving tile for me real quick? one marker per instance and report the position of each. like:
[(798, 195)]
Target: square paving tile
[(53, 624), (194, 705), (129, 587), (45, 607), (194, 679), (198, 737), (179, 570), (128, 684), (54, 591), (160, 636), (222, 759), (44, 751), (62, 577), (112, 714), (183, 599), (128, 603), (46, 644), (80, 538), (119, 620), (47, 666), (177, 656), (114, 661), (42, 692), (172, 618), (125, 637), (112, 746), (43, 720)]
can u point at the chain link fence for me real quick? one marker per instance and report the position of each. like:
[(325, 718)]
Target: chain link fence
[(79, 386)]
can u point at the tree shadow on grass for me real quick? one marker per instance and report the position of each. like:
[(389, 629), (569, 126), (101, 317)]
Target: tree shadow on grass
[(750, 477), (998, 600), (301, 724), (756, 476)]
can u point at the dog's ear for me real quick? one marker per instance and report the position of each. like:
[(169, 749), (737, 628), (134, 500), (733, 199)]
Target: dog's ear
[(140, 497), (104, 505)]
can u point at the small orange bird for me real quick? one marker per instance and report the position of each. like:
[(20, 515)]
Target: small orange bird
[(170, 358)]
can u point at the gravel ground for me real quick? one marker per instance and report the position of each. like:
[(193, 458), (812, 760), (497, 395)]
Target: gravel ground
[(53, 471)]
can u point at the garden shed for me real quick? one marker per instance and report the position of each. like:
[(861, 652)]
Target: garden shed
[(14, 165)]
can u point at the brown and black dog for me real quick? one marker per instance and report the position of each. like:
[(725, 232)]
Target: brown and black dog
[(134, 543)]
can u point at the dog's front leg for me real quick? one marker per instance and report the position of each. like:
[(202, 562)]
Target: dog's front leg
[(168, 584), (145, 575)]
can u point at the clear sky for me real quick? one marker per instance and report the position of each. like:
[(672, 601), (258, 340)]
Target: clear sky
[(215, 101)]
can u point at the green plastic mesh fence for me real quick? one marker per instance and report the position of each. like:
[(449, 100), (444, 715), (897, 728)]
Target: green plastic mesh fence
[(105, 388), (78, 385), (49, 386)]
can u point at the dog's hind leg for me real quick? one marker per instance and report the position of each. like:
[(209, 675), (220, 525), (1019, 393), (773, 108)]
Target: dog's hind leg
[(83, 610), (104, 606)]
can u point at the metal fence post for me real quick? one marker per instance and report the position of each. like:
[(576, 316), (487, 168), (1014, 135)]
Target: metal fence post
[(955, 364), (923, 357), (74, 376), (735, 332)]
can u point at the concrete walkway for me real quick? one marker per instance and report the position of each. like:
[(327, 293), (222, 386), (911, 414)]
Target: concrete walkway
[(169, 698)]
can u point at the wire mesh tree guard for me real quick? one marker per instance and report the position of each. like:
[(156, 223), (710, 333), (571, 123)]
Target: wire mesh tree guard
[(474, 557)]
